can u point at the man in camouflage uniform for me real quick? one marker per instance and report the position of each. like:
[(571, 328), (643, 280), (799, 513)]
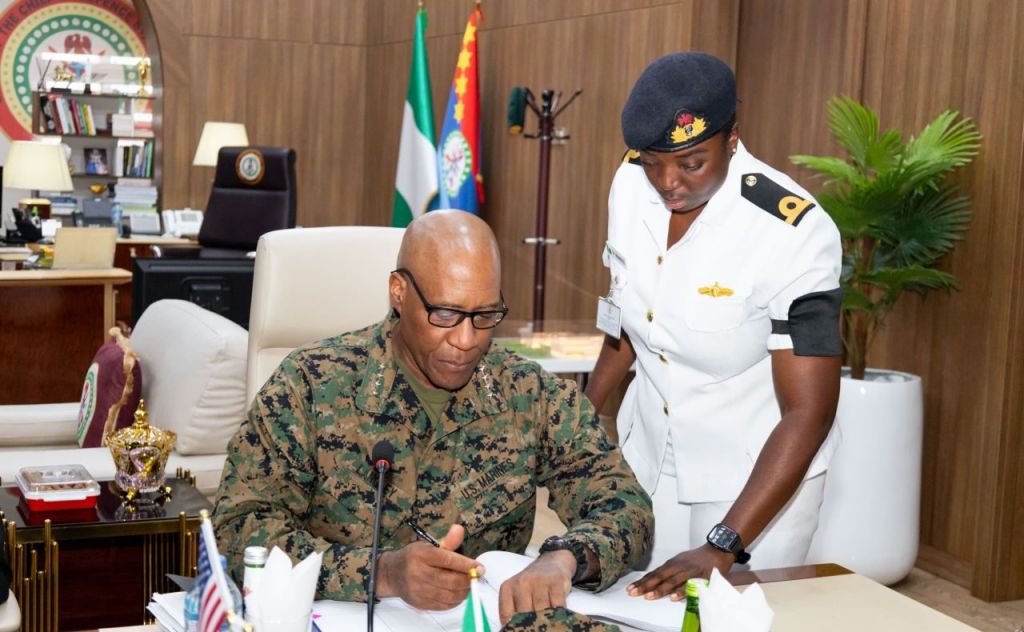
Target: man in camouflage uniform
[(476, 429)]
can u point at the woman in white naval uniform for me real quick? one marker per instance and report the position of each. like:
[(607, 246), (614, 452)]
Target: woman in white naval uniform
[(726, 275)]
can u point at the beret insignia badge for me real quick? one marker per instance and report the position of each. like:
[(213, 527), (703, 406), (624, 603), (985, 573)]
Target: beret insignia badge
[(687, 127)]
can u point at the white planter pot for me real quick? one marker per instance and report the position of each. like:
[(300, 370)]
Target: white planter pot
[(870, 514)]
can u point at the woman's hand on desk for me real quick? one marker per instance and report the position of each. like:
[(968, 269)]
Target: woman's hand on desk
[(670, 577), (425, 576)]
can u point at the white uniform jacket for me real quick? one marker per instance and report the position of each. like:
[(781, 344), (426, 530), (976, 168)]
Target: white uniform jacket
[(699, 317)]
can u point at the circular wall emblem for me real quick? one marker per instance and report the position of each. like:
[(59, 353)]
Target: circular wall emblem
[(29, 28), (87, 404), (249, 166), (456, 162)]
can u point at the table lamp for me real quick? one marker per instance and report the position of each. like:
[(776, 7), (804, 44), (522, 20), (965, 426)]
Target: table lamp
[(39, 167), (215, 135)]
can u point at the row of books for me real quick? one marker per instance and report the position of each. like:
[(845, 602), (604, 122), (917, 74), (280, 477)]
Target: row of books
[(62, 115), (134, 159)]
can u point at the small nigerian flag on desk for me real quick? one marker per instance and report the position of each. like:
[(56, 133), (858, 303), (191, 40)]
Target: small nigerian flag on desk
[(474, 619), (458, 154)]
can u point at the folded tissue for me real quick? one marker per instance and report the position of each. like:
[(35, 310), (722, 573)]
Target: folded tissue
[(282, 600), (725, 609)]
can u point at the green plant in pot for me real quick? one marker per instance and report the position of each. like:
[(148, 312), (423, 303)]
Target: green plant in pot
[(897, 211)]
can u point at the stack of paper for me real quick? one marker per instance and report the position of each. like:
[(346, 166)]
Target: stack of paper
[(169, 611)]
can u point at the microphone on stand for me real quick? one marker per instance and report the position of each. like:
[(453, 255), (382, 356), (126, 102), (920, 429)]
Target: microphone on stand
[(383, 456)]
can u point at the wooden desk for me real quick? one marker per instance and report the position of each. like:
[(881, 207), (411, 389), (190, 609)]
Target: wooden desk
[(51, 324)]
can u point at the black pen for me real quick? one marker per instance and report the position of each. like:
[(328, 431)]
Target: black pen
[(423, 535)]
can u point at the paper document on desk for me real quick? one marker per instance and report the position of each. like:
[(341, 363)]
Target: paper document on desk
[(169, 611), (612, 605)]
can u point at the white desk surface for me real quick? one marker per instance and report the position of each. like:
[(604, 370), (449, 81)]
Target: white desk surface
[(842, 603), (850, 603)]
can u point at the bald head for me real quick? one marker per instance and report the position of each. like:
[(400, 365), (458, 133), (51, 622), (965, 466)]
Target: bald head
[(452, 238), (447, 296)]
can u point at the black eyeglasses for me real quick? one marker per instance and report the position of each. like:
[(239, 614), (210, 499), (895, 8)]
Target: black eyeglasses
[(449, 317)]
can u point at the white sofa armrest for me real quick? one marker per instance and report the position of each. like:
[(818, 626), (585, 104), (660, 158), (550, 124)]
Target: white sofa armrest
[(38, 424)]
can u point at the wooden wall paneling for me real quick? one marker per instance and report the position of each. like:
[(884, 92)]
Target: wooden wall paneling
[(348, 22), (219, 75), (277, 109), (253, 19), (208, 18), (922, 57), (449, 16), (792, 57), (334, 160), (174, 104), (715, 28)]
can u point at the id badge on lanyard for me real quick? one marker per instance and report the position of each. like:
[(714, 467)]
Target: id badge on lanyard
[(609, 314)]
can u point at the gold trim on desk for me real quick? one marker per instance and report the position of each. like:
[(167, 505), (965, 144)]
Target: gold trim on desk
[(169, 546)]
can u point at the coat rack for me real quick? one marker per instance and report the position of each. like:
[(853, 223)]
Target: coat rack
[(546, 112)]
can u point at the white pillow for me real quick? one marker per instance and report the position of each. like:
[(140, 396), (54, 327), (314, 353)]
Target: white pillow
[(193, 373)]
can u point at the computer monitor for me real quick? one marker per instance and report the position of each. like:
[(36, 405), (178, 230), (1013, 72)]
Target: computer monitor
[(223, 286)]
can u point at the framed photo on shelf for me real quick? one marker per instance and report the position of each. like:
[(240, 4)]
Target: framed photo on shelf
[(96, 161)]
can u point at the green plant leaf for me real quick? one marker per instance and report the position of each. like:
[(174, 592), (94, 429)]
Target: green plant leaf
[(928, 227), (833, 169), (855, 299), (855, 127), (897, 215)]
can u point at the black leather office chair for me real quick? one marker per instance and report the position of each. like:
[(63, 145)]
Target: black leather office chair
[(253, 193)]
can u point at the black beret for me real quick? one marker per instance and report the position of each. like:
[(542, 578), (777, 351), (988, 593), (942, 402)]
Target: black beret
[(680, 100)]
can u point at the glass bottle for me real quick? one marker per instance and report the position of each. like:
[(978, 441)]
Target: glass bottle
[(255, 559), (236, 594), (194, 596), (691, 620)]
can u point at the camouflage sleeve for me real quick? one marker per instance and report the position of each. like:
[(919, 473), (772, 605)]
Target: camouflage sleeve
[(557, 619), (592, 488), (269, 483)]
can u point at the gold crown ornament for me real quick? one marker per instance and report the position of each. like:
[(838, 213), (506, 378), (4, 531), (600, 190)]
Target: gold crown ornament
[(140, 454)]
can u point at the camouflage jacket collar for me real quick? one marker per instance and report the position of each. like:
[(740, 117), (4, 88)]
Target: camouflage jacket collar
[(383, 388)]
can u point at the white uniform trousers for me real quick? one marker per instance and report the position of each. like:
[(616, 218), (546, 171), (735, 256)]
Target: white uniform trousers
[(680, 526)]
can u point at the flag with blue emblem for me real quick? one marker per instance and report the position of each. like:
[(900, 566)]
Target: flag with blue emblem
[(215, 597), (458, 153)]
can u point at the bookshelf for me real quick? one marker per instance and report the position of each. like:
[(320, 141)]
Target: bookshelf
[(112, 142)]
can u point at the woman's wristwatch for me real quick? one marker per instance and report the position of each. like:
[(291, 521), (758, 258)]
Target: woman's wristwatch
[(725, 539)]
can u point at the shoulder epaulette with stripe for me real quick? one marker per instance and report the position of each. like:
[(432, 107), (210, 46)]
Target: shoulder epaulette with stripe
[(774, 198)]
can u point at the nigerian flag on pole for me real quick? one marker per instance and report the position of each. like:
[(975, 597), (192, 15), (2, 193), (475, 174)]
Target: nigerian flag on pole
[(474, 619), (416, 180)]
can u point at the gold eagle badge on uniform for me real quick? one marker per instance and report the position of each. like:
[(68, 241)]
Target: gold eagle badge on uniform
[(771, 197), (715, 291)]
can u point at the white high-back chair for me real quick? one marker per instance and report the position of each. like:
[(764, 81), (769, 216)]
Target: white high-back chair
[(313, 283)]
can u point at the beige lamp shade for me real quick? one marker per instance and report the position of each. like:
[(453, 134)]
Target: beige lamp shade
[(216, 135), (37, 166)]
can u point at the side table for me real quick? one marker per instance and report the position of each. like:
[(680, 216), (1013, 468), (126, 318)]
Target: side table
[(92, 568)]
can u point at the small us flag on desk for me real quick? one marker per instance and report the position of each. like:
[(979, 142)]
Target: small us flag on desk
[(215, 597)]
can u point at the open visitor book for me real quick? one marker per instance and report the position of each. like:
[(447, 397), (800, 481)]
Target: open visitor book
[(394, 615), (612, 605)]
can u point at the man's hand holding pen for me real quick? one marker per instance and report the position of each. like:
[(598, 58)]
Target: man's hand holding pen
[(428, 575)]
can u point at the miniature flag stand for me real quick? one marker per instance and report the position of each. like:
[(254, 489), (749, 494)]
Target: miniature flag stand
[(474, 619)]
